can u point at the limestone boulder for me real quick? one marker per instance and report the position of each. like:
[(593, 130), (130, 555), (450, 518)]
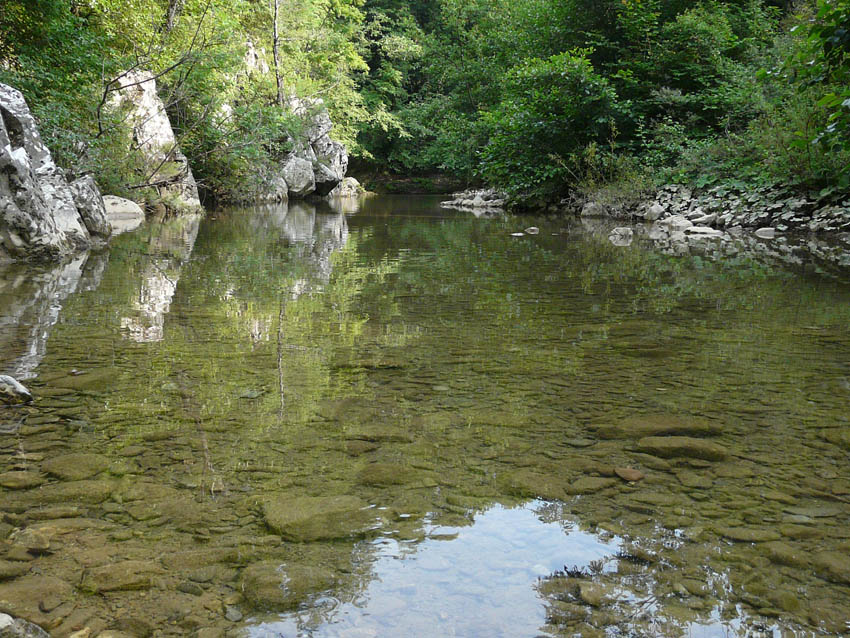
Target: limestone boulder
[(38, 216), (328, 159), (330, 166), (90, 205), (299, 176), (137, 99), (348, 187), (122, 214)]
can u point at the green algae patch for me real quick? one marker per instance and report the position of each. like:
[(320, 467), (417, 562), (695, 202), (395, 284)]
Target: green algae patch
[(306, 518)]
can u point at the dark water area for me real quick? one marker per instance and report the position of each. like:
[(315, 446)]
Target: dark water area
[(385, 418)]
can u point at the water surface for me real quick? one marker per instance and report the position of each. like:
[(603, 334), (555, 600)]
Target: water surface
[(467, 394)]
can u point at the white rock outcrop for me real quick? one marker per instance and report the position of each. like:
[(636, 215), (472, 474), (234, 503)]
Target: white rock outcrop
[(328, 159), (167, 168), (90, 206), (39, 218)]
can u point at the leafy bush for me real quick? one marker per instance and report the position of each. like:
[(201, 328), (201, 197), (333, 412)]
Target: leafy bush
[(550, 109)]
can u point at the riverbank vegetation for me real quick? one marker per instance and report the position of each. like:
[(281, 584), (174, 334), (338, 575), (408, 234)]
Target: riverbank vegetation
[(538, 97)]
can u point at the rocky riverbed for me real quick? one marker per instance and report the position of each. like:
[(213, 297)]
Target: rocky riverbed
[(234, 457)]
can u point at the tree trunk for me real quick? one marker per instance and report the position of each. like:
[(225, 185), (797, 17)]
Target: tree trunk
[(276, 52), (174, 9)]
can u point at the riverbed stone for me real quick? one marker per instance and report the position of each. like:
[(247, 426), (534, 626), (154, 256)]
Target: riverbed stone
[(749, 534), (833, 566), (12, 569), (782, 553), (75, 467), (629, 474), (527, 483), (306, 518), (682, 447), (21, 480), (122, 576), (385, 474), (275, 587), (88, 491), (639, 426), (590, 485), (34, 541), (21, 597)]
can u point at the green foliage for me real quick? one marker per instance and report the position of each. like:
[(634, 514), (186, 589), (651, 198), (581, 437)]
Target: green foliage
[(824, 62), (549, 110)]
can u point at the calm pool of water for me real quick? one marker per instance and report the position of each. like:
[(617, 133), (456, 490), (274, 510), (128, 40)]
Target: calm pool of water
[(392, 419)]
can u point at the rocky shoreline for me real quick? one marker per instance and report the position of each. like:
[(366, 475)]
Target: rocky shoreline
[(725, 208)]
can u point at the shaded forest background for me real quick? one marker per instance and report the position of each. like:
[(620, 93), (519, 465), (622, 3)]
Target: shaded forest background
[(541, 98)]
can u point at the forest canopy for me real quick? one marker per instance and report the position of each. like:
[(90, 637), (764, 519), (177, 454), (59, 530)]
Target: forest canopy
[(537, 97)]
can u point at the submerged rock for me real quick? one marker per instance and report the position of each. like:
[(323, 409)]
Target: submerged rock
[(833, 566), (629, 474), (590, 484), (749, 534), (658, 425), (681, 446), (126, 575), (23, 596), (75, 467), (306, 518), (21, 480), (272, 586)]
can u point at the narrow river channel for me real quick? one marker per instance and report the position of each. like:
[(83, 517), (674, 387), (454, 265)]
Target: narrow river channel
[(388, 419)]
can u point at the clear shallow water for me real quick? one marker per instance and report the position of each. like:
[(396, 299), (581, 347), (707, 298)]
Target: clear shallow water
[(477, 580), (203, 377)]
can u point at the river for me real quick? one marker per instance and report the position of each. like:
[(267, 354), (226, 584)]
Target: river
[(391, 419)]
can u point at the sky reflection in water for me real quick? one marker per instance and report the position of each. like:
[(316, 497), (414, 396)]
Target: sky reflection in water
[(461, 581)]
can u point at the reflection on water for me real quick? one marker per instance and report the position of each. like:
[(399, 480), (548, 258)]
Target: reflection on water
[(294, 371), (31, 301), (168, 247), (476, 580)]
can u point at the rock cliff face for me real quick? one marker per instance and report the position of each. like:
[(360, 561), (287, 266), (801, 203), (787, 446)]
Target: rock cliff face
[(39, 217), (167, 168)]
